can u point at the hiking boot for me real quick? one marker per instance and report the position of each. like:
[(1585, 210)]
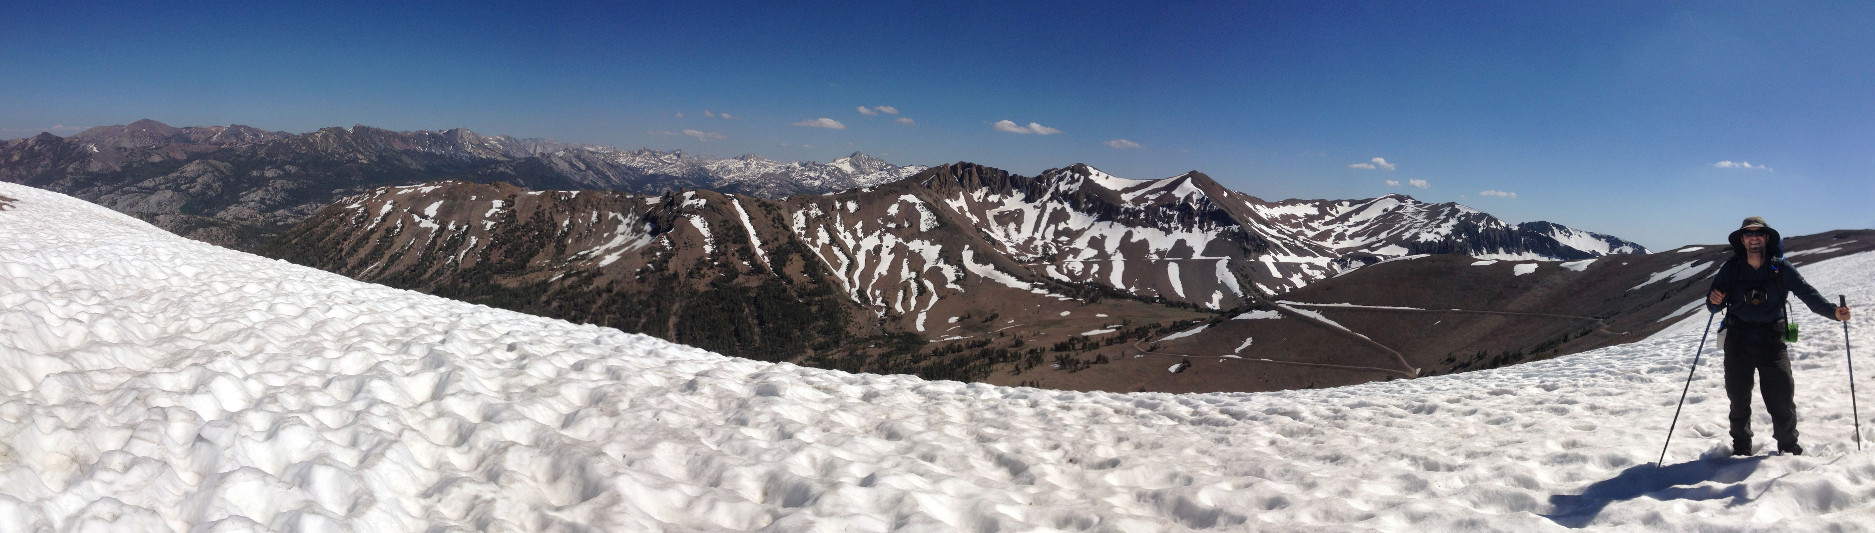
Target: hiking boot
[(1791, 450), (1741, 449)]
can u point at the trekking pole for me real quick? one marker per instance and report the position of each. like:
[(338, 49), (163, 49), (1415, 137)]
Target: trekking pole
[(1689, 386), (1843, 301)]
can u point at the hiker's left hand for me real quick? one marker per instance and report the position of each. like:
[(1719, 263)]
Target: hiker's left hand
[(1842, 314)]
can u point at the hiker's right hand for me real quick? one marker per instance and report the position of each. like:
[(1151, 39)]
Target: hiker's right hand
[(1716, 298)]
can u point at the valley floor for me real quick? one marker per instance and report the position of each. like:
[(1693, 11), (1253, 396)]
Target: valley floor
[(151, 383)]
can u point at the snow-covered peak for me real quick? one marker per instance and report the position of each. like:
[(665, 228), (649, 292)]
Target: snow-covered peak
[(1103, 179)]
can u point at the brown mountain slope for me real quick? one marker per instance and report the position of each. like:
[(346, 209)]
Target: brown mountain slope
[(725, 273), (961, 272), (1439, 315)]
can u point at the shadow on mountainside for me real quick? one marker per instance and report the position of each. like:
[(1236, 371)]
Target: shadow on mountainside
[(1684, 481)]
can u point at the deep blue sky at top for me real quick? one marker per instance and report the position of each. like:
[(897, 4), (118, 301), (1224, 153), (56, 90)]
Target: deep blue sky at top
[(1607, 116)]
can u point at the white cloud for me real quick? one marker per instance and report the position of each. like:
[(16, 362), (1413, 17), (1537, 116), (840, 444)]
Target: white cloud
[(1741, 164), (1378, 162), (864, 111), (822, 122), (700, 135), (704, 136), (904, 120), (1124, 144), (1031, 129), (1423, 184), (1499, 194), (889, 110), (679, 114), (707, 113), (1393, 183), (727, 117)]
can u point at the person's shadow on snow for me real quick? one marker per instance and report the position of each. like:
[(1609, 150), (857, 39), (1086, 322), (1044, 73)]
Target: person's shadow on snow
[(1671, 482)]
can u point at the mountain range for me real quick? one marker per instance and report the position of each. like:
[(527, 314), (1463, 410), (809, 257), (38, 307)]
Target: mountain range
[(959, 271), (240, 186)]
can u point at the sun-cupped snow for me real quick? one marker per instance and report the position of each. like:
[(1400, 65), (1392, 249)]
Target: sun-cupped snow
[(156, 383)]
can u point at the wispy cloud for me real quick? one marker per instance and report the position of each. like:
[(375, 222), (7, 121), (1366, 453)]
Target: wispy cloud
[(1393, 183), (1124, 144), (1423, 184), (707, 113), (1031, 129), (678, 114), (1378, 162), (889, 110), (726, 116), (1742, 164), (1499, 194), (705, 136), (822, 122), (904, 120), (863, 110)]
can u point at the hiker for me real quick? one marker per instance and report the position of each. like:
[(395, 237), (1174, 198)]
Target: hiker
[(1754, 287)]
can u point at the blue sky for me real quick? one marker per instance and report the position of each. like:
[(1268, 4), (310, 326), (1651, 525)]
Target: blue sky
[(1629, 118)]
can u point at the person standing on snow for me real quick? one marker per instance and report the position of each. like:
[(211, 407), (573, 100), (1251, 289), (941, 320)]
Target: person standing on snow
[(1754, 287)]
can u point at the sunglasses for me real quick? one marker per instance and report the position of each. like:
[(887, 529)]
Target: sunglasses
[(1755, 234)]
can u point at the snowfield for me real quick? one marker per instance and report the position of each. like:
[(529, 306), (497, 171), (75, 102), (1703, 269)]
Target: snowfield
[(151, 383)]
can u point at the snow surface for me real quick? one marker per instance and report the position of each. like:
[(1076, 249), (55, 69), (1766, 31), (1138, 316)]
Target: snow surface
[(1260, 314), (152, 383), (748, 227), (1183, 334), (1678, 273)]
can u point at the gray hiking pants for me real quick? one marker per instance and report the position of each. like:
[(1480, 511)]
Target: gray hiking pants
[(1771, 361)]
